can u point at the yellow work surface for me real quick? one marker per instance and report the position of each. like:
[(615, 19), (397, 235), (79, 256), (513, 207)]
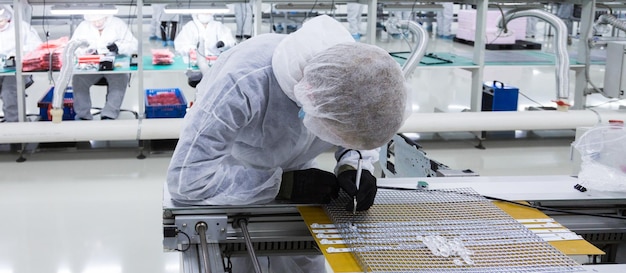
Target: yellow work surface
[(570, 247), (345, 262)]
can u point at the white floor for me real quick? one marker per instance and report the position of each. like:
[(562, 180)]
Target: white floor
[(99, 210)]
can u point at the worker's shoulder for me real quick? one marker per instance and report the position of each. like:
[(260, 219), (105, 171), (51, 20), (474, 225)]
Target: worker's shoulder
[(262, 43), (117, 20)]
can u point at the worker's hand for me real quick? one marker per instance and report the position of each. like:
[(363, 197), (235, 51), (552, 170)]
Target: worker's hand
[(367, 189), (91, 51), (112, 47), (308, 186), (219, 44)]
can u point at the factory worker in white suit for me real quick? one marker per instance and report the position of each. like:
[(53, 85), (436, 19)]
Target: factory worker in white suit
[(354, 12), (30, 40), (106, 35), (263, 116), (243, 19), (217, 37)]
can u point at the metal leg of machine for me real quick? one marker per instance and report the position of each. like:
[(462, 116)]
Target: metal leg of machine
[(243, 224), (207, 236)]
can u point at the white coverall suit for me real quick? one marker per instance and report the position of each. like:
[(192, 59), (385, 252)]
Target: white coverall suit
[(354, 13), (244, 131), (8, 85), (189, 37), (243, 19), (115, 31)]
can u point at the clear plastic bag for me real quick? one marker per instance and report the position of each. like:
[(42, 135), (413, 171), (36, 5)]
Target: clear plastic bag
[(603, 155)]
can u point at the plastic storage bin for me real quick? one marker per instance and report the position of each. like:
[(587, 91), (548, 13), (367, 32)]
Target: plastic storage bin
[(45, 104), (165, 103)]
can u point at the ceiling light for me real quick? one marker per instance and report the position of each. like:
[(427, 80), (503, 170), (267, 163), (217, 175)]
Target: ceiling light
[(83, 9), (410, 7), (305, 7), (196, 9)]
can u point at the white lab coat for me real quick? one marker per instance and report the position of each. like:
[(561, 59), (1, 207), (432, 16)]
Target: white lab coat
[(244, 131), (115, 31), (27, 10), (244, 128), (30, 39), (354, 12), (8, 84), (243, 18), (189, 37), (444, 19)]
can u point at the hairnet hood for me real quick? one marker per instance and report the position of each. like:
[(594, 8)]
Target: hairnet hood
[(94, 17), (352, 94), (294, 52), (5, 14)]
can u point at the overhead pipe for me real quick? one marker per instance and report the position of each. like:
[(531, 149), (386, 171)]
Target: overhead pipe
[(64, 78), (560, 45), (507, 120), (146, 129)]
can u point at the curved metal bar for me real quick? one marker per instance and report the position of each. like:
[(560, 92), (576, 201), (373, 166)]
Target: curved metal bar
[(201, 228), (66, 72), (243, 224), (560, 44), (422, 42)]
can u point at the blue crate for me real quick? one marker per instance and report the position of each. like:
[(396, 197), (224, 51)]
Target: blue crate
[(166, 111), (45, 104)]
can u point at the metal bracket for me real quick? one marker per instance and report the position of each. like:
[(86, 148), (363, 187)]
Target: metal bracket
[(216, 227)]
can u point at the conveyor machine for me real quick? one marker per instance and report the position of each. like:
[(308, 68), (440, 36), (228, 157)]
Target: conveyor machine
[(218, 232)]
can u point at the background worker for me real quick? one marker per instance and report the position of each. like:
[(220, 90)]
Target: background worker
[(106, 35), (354, 14), (243, 20), (263, 116), (8, 84), (155, 22), (217, 37), (166, 24)]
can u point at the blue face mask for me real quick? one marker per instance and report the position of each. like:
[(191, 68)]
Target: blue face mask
[(301, 114)]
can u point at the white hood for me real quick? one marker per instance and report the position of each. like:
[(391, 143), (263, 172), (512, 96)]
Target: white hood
[(294, 52)]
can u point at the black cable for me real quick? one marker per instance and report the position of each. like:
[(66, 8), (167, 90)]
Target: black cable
[(504, 23), (188, 244), (130, 19), (348, 150), (46, 30), (555, 210), (531, 99), (597, 105), (502, 14), (513, 202), (306, 15)]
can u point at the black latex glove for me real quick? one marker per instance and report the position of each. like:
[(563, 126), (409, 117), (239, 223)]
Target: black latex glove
[(91, 51), (219, 44), (308, 186), (112, 47), (367, 189)]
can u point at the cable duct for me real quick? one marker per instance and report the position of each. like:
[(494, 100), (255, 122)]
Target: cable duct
[(610, 20), (560, 45), (64, 78)]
